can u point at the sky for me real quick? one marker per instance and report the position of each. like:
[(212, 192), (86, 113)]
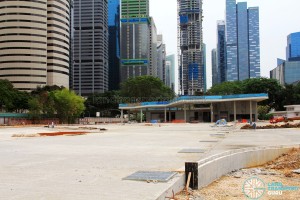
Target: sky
[(277, 20)]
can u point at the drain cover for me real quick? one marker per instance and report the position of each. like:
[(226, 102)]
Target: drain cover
[(151, 176), (209, 141), (191, 151)]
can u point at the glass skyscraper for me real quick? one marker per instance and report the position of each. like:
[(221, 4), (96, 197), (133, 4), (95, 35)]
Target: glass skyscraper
[(135, 38), (114, 43), (221, 52), (231, 41), (190, 45), (214, 67), (293, 47), (288, 72), (90, 47), (242, 41), (254, 43)]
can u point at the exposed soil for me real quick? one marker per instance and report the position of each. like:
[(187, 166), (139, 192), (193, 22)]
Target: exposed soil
[(51, 134), (231, 186)]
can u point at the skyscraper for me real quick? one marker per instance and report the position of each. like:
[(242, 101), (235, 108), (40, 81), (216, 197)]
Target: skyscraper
[(161, 58), (242, 41), (288, 72), (214, 67), (293, 47), (254, 42), (171, 60), (231, 41), (35, 43), (135, 38), (190, 46), (114, 44), (90, 43), (221, 52)]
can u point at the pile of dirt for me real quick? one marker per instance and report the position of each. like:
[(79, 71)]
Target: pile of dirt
[(287, 125), (50, 134), (283, 170), (286, 163)]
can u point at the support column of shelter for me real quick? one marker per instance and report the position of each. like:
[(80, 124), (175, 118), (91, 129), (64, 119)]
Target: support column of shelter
[(165, 114), (234, 111), (250, 111), (184, 109), (211, 113), (256, 114), (122, 116)]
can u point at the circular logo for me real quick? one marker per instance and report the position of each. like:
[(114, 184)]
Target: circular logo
[(254, 188)]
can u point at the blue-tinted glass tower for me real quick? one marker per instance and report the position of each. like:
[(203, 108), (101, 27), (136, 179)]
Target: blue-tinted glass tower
[(114, 43), (242, 41), (293, 47), (231, 41), (221, 52), (254, 43)]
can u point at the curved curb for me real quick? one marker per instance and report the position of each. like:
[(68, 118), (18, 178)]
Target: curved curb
[(216, 166)]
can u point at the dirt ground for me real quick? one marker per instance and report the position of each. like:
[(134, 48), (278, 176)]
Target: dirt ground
[(231, 186)]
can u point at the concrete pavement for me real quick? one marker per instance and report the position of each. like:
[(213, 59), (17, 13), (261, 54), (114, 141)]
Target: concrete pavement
[(92, 166)]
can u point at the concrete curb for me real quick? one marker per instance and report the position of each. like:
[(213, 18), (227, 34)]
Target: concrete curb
[(214, 167)]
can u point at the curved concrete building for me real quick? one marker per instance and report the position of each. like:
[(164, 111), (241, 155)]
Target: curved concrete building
[(34, 43)]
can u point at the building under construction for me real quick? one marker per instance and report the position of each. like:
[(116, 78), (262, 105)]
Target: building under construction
[(190, 42)]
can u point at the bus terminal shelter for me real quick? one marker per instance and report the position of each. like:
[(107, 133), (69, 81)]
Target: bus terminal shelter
[(199, 108)]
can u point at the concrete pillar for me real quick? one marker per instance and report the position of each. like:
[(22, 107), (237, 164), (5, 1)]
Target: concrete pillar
[(234, 111), (184, 109), (256, 113), (250, 110), (122, 116), (211, 113), (141, 116), (165, 114), (170, 115)]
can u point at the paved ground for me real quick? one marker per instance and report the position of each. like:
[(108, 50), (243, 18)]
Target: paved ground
[(92, 166)]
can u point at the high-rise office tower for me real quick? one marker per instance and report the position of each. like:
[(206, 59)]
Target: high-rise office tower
[(171, 60), (153, 39), (242, 41), (114, 43), (190, 46), (293, 47), (231, 41), (34, 43), (254, 42), (221, 52), (90, 47), (214, 67), (161, 58), (288, 72), (135, 38)]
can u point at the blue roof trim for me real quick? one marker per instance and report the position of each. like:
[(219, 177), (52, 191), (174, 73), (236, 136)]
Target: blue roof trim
[(184, 98)]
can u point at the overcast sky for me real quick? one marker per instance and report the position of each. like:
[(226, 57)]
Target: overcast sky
[(277, 20)]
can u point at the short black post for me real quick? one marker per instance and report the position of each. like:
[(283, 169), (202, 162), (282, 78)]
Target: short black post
[(193, 168)]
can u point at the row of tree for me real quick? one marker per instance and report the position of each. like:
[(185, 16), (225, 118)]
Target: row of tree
[(279, 95), (51, 101), (44, 102)]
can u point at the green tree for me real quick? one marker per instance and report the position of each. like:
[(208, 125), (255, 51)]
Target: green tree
[(145, 88), (106, 103), (226, 88), (68, 105), (265, 85), (12, 100)]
